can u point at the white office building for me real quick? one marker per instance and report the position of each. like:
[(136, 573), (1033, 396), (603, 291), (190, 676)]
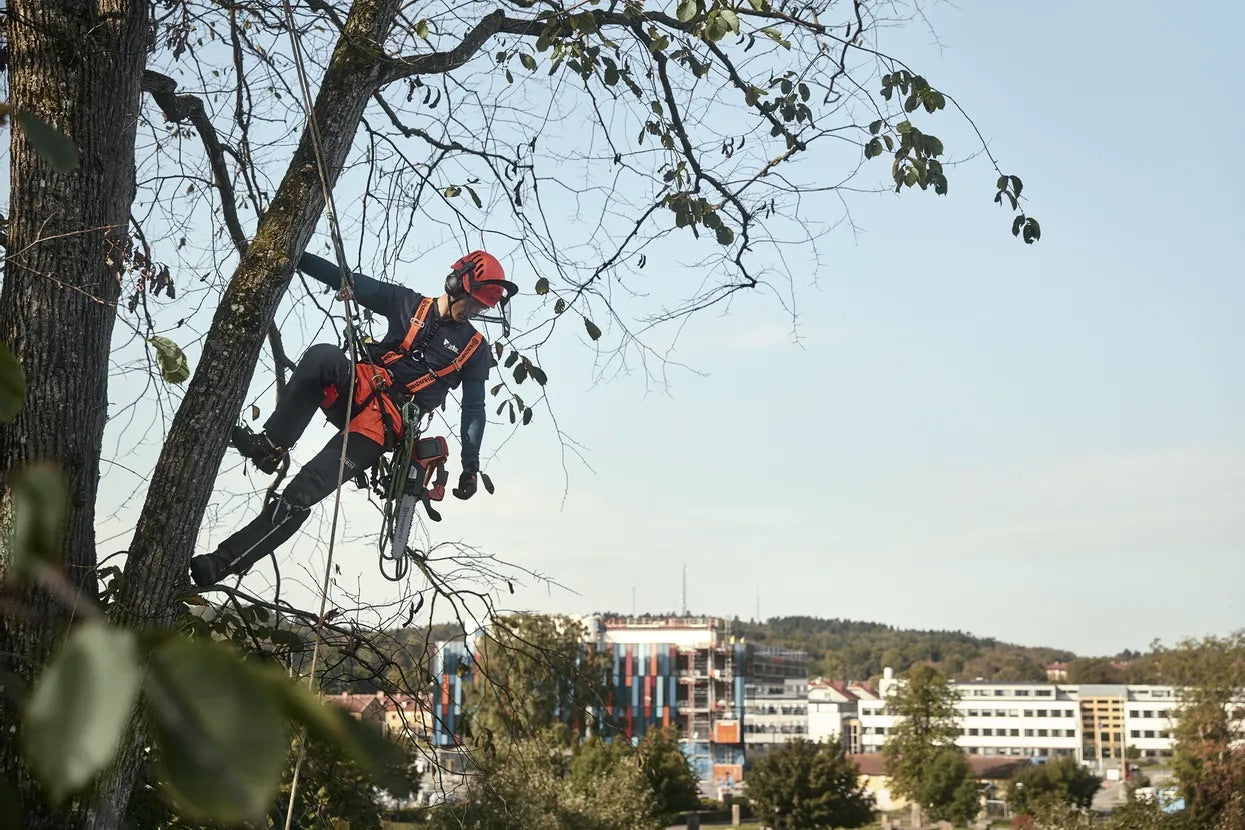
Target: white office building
[(1092, 723)]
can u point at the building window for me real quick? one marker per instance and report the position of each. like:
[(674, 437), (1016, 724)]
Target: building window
[(1028, 713), (1028, 733), (1022, 693), (1136, 733), (1041, 733), (973, 731), (1149, 733), (1015, 733)]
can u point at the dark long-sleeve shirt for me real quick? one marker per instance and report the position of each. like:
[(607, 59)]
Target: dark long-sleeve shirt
[(441, 341)]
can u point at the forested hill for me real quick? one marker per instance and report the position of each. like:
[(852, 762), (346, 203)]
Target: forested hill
[(855, 650), (838, 649)]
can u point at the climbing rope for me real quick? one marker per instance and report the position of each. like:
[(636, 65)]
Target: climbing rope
[(347, 296)]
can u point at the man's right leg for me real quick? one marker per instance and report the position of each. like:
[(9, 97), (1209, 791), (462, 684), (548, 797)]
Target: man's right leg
[(282, 519), (322, 365)]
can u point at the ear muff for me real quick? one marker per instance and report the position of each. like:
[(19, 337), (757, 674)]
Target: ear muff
[(454, 282)]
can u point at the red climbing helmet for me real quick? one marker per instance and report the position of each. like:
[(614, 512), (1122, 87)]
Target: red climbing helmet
[(480, 275)]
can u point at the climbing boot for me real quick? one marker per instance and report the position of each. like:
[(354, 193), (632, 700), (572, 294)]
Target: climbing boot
[(207, 569), (258, 448)]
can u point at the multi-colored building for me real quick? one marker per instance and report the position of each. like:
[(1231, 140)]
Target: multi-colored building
[(688, 673)]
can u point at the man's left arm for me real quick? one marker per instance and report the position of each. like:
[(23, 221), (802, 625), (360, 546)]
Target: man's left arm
[(472, 427)]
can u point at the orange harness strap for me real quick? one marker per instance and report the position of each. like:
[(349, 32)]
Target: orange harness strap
[(412, 332), (456, 364)]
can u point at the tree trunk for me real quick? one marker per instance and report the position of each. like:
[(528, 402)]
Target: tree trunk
[(185, 474), (76, 65)]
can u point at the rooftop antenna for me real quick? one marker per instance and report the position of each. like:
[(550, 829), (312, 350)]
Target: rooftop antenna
[(683, 601)]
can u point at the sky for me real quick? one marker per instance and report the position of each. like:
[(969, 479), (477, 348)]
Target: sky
[(1042, 444)]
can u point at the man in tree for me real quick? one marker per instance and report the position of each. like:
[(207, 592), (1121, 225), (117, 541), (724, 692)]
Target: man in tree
[(431, 347)]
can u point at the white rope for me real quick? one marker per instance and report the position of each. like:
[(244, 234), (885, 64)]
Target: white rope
[(347, 296)]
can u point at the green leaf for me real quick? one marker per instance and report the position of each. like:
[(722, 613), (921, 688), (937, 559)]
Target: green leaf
[(542, 286), (725, 235), (40, 506), (1017, 224), (776, 36), (474, 196), (362, 743), (933, 146), (876, 127), (520, 373), (174, 367), (511, 359), (80, 706), (593, 331), (49, 142), (529, 63), (559, 306), (611, 76), (1032, 232), (527, 416), (686, 10), (538, 374), (421, 30), (757, 5), (873, 148), (487, 482), (732, 22), (1016, 185), (12, 385), (223, 738), (1001, 184)]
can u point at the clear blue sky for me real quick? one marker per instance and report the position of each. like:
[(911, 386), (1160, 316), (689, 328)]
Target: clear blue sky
[(1041, 444)]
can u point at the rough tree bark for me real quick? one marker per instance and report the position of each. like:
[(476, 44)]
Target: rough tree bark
[(76, 65)]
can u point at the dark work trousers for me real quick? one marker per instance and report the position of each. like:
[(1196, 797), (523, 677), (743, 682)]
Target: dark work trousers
[(322, 365)]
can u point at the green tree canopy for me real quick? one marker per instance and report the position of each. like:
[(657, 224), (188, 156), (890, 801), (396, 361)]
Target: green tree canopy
[(1209, 761), (949, 790), (669, 774), (534, 675), (536, 787), (918, 744), (803, 785), (1062, 780)]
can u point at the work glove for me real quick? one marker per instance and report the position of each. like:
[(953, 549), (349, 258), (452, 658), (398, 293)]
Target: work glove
[(466, 485)]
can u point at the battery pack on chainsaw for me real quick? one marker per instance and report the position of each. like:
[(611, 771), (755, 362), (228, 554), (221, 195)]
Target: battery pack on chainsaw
[(430, 455)]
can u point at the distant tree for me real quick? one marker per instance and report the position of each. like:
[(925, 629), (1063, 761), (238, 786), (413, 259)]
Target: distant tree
[(1208, 761), (926, 731), (534, 676), (534, 788), (1062, 780), (670, 779), (1094, 670), (950, 789), (669, 774), (806, 786)]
